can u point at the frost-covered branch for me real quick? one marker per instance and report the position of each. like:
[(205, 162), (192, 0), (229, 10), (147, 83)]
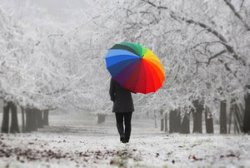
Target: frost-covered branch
[(209, 29), (230, 5), (215, 56)]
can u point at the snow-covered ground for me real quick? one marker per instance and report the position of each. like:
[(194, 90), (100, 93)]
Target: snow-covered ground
[(87, 145)]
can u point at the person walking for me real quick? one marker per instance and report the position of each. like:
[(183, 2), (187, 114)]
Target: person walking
[(123, 108)]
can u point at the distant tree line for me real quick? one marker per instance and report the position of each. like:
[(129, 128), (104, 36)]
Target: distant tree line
[(236, 120), (32, 118)]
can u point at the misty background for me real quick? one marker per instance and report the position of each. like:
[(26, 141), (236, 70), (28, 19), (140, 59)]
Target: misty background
[(54, 85)]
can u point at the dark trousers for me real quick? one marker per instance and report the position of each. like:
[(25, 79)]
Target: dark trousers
[(126, 117)]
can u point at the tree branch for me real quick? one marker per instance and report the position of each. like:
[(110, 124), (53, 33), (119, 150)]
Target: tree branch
[(242, 2), (215, 33), (214, 56), (209, 29), (229, 69), (230, 5), (205, 43)]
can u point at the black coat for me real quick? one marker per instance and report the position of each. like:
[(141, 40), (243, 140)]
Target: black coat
[(121, 97)]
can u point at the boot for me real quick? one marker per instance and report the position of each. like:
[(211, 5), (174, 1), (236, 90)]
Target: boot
[(122, 139)]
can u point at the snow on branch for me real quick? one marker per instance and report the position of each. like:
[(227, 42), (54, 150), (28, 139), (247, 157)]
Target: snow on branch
[(230, 5), (215, 56), (209, 29)]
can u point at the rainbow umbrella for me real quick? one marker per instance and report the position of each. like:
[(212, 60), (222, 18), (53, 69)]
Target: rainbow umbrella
[(135, 67)]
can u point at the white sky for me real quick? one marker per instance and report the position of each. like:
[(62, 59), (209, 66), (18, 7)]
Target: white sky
[(61, 10)]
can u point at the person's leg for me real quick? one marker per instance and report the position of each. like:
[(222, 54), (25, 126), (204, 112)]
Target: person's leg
[(119, 124), (127, 118)]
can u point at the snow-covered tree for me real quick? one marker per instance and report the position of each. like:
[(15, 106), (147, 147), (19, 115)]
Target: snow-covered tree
[(202, 44)]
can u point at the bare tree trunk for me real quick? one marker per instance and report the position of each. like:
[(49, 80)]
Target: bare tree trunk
[(230, 118), (209, 121), (5, 122), (235, 116), (246, 120), (223, 117), (14, 120), (39, 118), (147, 114), (46, 117), (23, 119), (162, 124), (31, 121), (100, 118), (155, 119), (166, 122), (238, 119), (185, 124), (197, 116), (174, 121), (235, 127), (162, 121), (28, 120)]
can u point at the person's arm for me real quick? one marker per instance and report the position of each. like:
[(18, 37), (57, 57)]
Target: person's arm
[(112, 90)]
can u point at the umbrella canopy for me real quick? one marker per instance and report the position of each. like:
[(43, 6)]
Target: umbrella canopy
[(135, 67)]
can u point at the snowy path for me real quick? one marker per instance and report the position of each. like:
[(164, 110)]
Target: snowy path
[(56, 150), (99, 146)]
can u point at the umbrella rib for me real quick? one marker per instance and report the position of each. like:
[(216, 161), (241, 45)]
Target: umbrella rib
[(137, 75), (158, 69), (126, 72), (123, 47), (146, 80), (141, 83), (149, 71), (132, 47), (122, 65), (156, 62), (119, 52), (109, 65), (155, 76)]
